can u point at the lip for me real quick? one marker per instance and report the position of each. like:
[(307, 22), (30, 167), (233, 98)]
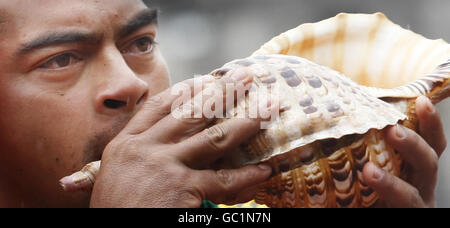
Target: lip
[(96, 145)]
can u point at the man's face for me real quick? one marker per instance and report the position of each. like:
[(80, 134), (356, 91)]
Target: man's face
[(72, 74)]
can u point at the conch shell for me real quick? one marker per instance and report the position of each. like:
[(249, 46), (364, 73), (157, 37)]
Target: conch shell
[(372, 51), (368, 48), (318, 156), (329, 127)]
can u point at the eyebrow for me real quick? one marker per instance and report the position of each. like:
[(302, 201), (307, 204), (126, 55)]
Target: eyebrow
[(55, 38), (145, 17)]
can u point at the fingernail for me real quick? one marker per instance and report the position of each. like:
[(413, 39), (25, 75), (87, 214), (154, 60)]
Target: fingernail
[(264, 167), (400, 132), (427, 102), (430, 107), (377, 173)]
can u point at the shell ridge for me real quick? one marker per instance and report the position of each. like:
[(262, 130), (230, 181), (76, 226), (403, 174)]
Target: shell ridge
[(391, 64), (422, 86)]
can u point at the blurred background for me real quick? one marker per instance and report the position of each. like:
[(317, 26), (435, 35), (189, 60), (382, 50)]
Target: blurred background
[(197, 36)]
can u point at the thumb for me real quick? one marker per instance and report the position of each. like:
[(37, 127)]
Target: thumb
[(391, 189)]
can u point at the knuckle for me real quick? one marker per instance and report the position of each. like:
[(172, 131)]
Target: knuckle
[(156, 104), (225, 179), (190, 111), (154, 101), (216, 135)]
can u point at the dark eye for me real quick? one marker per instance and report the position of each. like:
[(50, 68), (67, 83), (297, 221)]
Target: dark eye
[(142, 45), (60, 61)]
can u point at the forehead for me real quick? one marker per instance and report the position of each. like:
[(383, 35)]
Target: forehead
[(38, 15)]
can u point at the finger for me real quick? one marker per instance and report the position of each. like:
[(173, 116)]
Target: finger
[(430, 124), (231, 186), (159, 106), (420, 156), (211, 144), (391, 189), (200, 111)]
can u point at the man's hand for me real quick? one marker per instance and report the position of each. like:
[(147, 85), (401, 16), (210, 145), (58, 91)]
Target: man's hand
[(421, 152), (161, 161)]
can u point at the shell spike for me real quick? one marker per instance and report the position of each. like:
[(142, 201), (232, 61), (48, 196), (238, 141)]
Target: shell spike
[(439, 82)]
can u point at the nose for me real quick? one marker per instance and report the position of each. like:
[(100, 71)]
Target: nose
[(121, 89)]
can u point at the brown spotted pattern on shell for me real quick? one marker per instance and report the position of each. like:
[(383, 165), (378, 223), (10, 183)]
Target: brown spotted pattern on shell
[(322, 104), (327, 113), (379, 55), (328, 128)]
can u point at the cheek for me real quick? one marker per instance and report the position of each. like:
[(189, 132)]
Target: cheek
[(42, 138), (49, 129), (68, 126)]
